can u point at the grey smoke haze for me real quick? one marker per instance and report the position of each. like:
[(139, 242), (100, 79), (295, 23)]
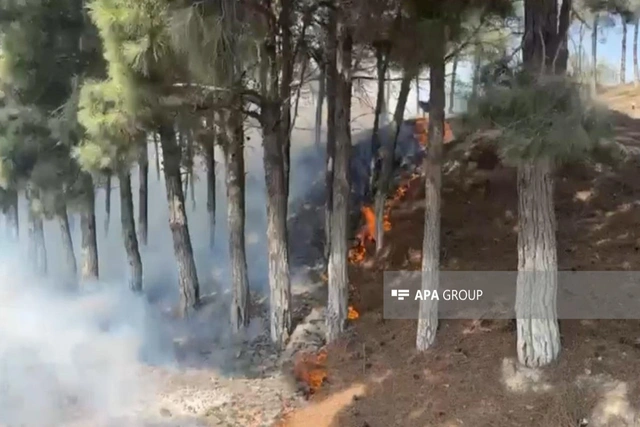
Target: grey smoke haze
[(63, 356)]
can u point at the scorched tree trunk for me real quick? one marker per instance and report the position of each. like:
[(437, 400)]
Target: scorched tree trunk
[(67, 243), (338, 297), (129, 232), (187, 274)]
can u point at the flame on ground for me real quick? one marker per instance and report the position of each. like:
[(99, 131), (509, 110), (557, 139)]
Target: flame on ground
[(311, 369), (353, 313), (421, 131)]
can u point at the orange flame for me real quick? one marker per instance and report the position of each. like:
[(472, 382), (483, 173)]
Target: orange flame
[(353, 313), (311, 369), (421, 131)]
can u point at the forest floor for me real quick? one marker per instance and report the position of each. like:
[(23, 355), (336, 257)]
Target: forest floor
[(470, 378)]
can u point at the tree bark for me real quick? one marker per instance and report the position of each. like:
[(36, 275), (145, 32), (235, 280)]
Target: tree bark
[(338, 297), (12, 216), (636, 70), (235, 174), (322, 87), (67, 243), (538, 333), (187, 274), (538, 340), (143, 192), (388, 158), (382, 62), (129, 232), (90, 260), (157, 151), (332, 93), (477, 63), (277, 244), (288, 60), (428, 314), (452, 93), (37, 247), (107, 204), (623, 58), (210, 158), (594, 54)]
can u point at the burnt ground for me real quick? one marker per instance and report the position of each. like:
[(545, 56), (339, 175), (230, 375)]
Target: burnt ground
[(469, 377)]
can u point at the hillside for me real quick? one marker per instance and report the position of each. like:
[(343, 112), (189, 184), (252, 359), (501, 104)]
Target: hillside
[(374, 378)]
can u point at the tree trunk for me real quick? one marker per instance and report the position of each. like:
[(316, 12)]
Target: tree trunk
[(636, 70), (388, 158), (235, 171), (338, 298), (12, 216), (417, 94), (382, 62), (277, 244), (320, 104), (288, 60), (594, 54), (538, 333), (538, 340), (428, 315), (210, 157), (67, 243), (90, 260), (477, 63), (623, 59), (129, 232), (107, 204), (37, 248), (452, 93), (157, 151), (187, 274), (332, 93), (143, 193)]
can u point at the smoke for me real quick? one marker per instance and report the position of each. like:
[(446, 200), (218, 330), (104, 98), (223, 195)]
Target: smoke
[(66, 357)]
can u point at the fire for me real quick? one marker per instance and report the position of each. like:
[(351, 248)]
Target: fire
[(421, 132), (353, 313), (311, 369)]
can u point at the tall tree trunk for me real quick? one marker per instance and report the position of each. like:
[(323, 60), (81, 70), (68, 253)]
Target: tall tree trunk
[(234, 165), (67, 243), (594, 54), (277, 244), (129, 232), (322, 87), (623, 58), (210, 158), (538, 333), (288, 60), (90, 260), (538, 340), (12, 216), (636, 70), (417, 94), (37, 247), (332, 93), (157, 152), (477, 63), (382, 62), (107, 204), (187, 274), (143, 192), (428, 315), (338, 298), (388, 158), (452, 93)]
